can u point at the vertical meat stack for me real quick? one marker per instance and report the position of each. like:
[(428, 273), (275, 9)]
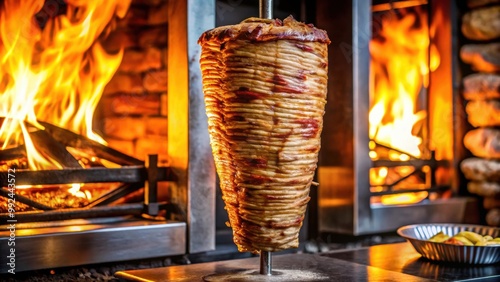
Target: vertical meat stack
[(265, 87), (481, 90)]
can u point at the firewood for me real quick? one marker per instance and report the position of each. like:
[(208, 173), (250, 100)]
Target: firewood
[(483, 142), (483, 113), (21, 201), (482, 24), (480, 86), (74, 140), (479, 169), (482, 57), (13, 153), (47, 145)]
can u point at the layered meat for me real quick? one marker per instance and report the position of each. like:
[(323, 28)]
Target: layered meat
[(265, 84)]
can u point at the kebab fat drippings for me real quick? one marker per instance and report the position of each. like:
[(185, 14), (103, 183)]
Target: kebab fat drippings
[(265, 84)]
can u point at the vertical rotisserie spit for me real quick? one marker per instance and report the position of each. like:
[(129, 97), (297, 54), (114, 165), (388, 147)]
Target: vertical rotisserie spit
[(265, 85)]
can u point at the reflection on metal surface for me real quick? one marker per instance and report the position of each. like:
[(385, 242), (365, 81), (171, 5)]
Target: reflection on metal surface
[(287, 267), (402, 258), (434, 270)]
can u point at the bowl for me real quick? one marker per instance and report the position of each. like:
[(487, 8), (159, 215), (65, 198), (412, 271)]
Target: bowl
[(419, 234)]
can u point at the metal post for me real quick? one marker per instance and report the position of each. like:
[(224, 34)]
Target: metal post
[(266, 263), (265, 12), (151, 205), (266, 9)]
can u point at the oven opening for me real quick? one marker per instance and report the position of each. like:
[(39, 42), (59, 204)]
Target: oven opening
[(405, 160), (393, 138)]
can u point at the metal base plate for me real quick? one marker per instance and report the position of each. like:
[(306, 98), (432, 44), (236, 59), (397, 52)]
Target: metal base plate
[(287, 267)]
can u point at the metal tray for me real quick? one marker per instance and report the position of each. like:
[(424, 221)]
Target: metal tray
[(419, 234)]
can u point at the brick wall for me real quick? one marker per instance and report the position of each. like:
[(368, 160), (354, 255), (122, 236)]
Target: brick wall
[(132, 114)]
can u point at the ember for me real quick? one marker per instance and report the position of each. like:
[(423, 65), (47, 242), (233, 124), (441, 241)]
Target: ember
[(56, 197)]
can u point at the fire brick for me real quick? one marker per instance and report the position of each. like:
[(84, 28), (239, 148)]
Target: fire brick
[(156, 81), (120, 38), (124, 146), (157, 14), (157, 126), (124, 83), (131, 104), (152, 144), (153, 36)]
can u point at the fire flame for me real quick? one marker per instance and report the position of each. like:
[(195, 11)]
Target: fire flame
[(402, 57), (53, 72)]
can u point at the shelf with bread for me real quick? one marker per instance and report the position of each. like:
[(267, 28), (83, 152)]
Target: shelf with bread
[(481, 92)]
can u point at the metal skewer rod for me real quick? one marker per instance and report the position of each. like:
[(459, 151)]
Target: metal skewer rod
[(266, 9), (266, 12), (266, 263)]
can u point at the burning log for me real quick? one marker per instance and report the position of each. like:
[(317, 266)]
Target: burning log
[(47, 145), (21, 199), (74, 140), (13, 153), (74, 213), (116, 194), (50, 198)]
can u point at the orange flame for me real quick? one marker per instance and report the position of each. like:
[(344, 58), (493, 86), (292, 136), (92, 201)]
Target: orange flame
[(56, 73), (400, 66), (402, 57)]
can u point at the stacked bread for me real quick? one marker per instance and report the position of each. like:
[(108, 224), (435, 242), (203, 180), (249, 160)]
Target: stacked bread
[(265, 85), (481, 90)]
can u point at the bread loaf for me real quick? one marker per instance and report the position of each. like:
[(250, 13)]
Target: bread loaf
[(491, 203), (481, 86), (484, 189), (265, 87), (482, 24), (483, 113), (478, 169), (483, 142), (482, 57), (493, 217)]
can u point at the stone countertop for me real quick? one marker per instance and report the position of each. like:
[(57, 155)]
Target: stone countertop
[(388, 262)]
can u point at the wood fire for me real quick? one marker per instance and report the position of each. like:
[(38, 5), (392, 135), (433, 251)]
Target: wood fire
[(54, 69), (402, 57)]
